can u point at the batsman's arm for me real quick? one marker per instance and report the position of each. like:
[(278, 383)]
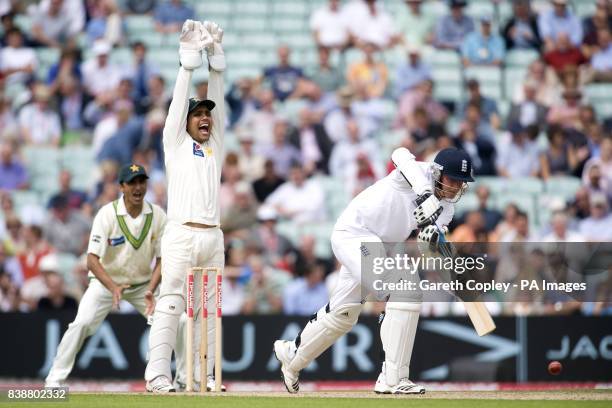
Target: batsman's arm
[(406, 163)]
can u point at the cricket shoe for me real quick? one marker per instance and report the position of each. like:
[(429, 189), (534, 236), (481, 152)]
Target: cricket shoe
[(290, 378), (160, 385), (55, 384), (210, 384), (405, 386)]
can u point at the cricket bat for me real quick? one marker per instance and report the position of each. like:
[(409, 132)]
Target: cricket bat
[(477, 311)]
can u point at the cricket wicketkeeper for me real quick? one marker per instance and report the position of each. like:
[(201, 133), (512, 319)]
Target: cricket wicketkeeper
[(193, 148)]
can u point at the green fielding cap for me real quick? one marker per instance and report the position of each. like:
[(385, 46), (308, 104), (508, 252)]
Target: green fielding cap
[(194, 103), (130, 171)]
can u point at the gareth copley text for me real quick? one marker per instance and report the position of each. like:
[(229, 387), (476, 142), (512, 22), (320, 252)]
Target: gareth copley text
[(482, 287)]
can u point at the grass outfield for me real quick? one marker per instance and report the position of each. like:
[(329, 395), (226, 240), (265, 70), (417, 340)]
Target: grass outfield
[(341, 400)]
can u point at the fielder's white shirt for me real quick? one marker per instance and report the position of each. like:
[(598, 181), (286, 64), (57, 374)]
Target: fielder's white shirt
[(193, 169), (124, 263), (386, 208)]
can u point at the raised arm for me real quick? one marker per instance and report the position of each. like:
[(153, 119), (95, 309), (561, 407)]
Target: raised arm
[(192, 41), (216, 87)]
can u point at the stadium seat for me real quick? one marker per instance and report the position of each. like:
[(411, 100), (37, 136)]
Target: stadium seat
[(513, 77), (520, 58), (47, 56), (435, 8), (24, 198), (245, 24), (562, 186), (214, 7), (282, 25), (598, 92), (137, 24), (476, 9), (289, 230), (448, 91), (295, 7), (444, 58)]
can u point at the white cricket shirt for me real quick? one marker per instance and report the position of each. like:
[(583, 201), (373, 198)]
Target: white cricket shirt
[(193, 169), (121, 260), (386, 208)]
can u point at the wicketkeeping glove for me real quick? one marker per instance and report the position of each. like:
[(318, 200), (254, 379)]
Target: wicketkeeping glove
[(214, 50), (428, 209), (192, 40)]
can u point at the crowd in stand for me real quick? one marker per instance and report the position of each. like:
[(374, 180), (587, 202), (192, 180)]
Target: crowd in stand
[(272, 171)]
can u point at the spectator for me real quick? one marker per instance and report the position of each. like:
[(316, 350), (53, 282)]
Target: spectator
[(313, 142), (122, 144), (108, 125), (13, 174), (10, 266), (263, 292), (335, 122), (529, 111), (299, 200), (604, 162), (491, 217), (283, 77), (472, 230), (74, 9), (12, 238), (483, 47), (521, 31), (560, 231), (452, 29), (598, 226), (39, 124), (520, 157), (35, 249), (270, 181), (170, 15), (106, 25), (520, 230), (304, 296), (141, 70), (422, 129), (560, 158), (17, 62), (558, 20), (9, 289), (420, 96), (52, 26), (9, 130), (75, 198), (99, 74), (328, 26), (478, 145), (66, 69), (416, 27), (601, 20), (601, 63), (474, 121), (263, 120), (66, 229), (328, 77), (241, 100), (281, 152), (71, 105), (56, 298), (488, 106), (266, 240), (251, 163), (231, 177), (371, 74), (566, 113), (157, 97), (545, 81), (595, 183), (343, 161), (241, 215), (35, 288), (319, 102), (564, 54), (369, 13), (414, 72)]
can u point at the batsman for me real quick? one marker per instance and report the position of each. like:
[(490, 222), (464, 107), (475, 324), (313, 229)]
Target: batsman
[(193, 148), (414, 195)]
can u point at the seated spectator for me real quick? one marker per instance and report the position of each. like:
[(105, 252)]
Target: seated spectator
[(262, 294), (329, 27), (56, 298), (35, 287), (66, 230), (420, 96), (263, 120), (326, 76), (545, 82), (560, 230), (52, 26), (343, 161), (109, 123), (251, 163), (422, 129), (369, 13), (241, 100), (106, 25), (71, 104), (472, 230), (521, 31), (9, 129), (66, 69), (335, 122), (452, 29), (75, 198), (598, 226), (318, 102), (560, 158), (566, 113), (17, 62), (474, 121), (266, 240), (99, 74), (241, 214), (305, 295), (415, 26), (520, 157), (600, 20), (488, 106), (230, 174), (39, 124), (483, 47), (10, 281), (34, 250), (596, 183), (559, 19), (13, 174), (9, 265), (284, 77), (157, 96), (479, 146), (74, 9), (141, 70), (281, 152), (604, 162), (170, 15), (529, 111), (299, 200), (564, 54), (412, 73), (270, 181), (491, 216), (312, 141), (601, 63), (519, 231)]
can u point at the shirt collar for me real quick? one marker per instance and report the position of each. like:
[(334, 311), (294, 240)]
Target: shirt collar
[(122, 210)]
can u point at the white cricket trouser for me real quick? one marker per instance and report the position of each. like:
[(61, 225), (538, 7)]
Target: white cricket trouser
[(95, 305), (183, 247)]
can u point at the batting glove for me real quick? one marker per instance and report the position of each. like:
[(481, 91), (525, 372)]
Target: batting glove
[(214, 51), (434, 237), (428, 209), (192, 40)]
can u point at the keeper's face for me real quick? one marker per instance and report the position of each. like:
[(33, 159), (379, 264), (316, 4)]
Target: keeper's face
[(199, 124), (134, 190)]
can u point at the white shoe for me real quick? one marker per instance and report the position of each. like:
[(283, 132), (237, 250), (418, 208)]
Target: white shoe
[(160, 385), (290, 378), (178, 385), (55, 384), (210, 384), (405, 386)]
